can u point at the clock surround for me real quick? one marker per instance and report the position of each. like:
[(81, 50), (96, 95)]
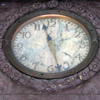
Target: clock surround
[(66, 15), (59, 84)]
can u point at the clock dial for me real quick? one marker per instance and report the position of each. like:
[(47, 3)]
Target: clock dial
[(51, 44)]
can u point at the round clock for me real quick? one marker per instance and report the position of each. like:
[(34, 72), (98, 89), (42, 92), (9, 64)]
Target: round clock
[(50, 44)]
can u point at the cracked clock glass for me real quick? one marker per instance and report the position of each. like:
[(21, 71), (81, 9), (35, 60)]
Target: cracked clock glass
[(50, 43)]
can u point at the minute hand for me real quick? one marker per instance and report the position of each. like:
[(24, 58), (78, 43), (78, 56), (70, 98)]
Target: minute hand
[(50, 43)]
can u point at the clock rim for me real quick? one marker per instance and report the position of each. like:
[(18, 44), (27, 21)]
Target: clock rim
[(9, 53)]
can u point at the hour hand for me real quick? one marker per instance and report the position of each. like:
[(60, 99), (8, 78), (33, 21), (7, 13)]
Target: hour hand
[(50, 43), (47, 35), (49, 38), (44, 27)]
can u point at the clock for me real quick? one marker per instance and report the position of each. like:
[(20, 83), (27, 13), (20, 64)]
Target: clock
[(50, 44)]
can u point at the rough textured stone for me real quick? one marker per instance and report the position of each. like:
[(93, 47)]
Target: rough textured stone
[(51, 85), (15, 86)]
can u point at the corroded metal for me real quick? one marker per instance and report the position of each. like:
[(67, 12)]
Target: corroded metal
[(55, 84)]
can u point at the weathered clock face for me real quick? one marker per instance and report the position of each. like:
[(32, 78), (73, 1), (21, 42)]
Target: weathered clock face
[(50, 45)]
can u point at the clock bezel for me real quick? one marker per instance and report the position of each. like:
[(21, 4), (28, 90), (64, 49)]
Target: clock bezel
[(10, 32)]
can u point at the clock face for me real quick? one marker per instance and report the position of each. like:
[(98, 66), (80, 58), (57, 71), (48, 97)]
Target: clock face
[(49, 44)]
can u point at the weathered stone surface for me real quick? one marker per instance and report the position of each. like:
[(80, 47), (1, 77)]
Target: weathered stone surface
[(14, 85)]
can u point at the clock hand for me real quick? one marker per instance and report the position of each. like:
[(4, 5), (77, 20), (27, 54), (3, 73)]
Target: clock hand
[(61, 25), (67, 54), (60, 42), (76, 52), (50, 43)]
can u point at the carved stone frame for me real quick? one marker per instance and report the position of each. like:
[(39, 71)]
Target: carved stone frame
[(7, 47), (55, 84)]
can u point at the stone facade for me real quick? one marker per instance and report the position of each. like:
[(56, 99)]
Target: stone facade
[(15, 85)]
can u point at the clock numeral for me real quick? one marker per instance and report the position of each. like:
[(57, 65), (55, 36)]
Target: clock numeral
[(23, 58), (82, 44), (77, 34), (35, 65), (36, 26), (77, 29), (50, 68), (85, 37), (66, 27), (19, 45), (69, 22), (53, 22), (79, 57), (26, 35), (49, 23), (66, 65)]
